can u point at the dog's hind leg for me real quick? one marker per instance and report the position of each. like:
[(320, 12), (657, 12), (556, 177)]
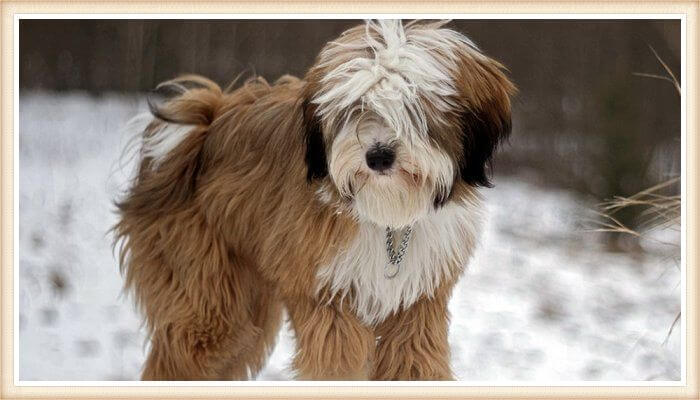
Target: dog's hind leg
[(266, 313), (195, 335), (195, 340), (209, 314)]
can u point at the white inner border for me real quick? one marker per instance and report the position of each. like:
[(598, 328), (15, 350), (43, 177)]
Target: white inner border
[(571, 17)]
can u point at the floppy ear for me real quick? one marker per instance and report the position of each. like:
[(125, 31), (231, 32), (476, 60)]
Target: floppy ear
[(315, 157), (486, 120), (482, 132)]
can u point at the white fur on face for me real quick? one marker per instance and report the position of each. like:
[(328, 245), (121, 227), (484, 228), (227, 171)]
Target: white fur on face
[(397, 197), (392, 72), (449, 235), (392, 81)]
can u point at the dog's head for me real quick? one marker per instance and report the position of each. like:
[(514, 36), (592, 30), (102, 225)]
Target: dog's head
[(398, 115)]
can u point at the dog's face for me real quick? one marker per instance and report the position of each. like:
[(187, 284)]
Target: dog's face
[(396, 115)]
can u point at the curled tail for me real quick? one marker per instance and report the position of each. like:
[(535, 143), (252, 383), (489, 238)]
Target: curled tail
[(169, 148)]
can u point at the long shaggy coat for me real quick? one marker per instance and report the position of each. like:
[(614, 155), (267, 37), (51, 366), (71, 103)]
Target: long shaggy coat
[(252, 200)]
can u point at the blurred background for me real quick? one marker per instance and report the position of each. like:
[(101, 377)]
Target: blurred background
[(551, 295)]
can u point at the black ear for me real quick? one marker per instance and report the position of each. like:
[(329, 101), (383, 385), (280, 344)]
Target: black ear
[(482, 132), (315, 157)]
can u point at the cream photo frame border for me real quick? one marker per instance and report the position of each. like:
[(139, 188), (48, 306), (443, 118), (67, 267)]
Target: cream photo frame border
[(686, 10)]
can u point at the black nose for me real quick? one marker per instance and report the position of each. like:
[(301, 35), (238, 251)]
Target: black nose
[(380, 158)]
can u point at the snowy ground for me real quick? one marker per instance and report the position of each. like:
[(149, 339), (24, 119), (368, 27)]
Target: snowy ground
[(542, 300)]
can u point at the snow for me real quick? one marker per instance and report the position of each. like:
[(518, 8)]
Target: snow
[(542, 301)]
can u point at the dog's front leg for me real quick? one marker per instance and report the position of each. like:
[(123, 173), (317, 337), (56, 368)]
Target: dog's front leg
[(332, 344), (413, 343)]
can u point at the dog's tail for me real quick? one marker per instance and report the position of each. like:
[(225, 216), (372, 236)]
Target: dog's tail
[(194, 102), (169, 142), (167, 145)]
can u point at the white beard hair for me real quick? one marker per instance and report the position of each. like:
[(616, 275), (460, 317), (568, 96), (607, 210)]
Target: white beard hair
[(396, 200), (391, 206)]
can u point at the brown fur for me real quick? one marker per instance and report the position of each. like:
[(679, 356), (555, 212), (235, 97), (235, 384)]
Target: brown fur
[(413, 343), (226, 230), (199, 251)]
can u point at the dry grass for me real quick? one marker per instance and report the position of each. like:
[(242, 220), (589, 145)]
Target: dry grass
[(660, 210)]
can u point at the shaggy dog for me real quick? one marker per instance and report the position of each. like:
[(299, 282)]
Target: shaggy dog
[(348, 198)]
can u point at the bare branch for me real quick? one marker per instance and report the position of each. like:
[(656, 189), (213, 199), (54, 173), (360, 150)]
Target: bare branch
[(671, 77), (668, 70)]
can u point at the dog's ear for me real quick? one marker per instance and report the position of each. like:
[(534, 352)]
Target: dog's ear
[(482, 132), (485, 119), (315, 156)]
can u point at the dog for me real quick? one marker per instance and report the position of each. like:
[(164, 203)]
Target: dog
[(350, 198)]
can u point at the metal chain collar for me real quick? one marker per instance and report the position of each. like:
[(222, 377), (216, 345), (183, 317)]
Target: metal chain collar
[(395, 258)]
